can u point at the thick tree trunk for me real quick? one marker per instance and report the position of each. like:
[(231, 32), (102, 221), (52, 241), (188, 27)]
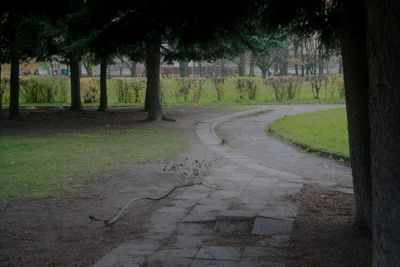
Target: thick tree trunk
[(103, 85), (242, 65), (183, 68), (14, 87), (153, 90), (75, 85), (264, 72), (354, 53), (383, 40)]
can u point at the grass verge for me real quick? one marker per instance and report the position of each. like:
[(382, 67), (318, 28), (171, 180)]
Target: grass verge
[(324, 132), (45, 166)]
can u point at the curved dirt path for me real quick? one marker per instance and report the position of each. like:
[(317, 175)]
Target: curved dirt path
[(249, 222)]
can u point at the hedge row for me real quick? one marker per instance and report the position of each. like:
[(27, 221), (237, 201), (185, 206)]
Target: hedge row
[(182, 90)]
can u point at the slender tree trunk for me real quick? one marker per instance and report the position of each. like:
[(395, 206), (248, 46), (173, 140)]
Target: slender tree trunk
[(132, 68), (109, 72), (183, 68), (340, 67), (242, 65), (222, 68), (1, 101), (327, 66), (75, 85), (200, 69), (354, 54), (14, 87), (252, 64), (320, 62), (103, 84), (153, 90), (383, 41)]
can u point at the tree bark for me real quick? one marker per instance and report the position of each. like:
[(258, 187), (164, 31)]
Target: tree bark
[(75, 85), (252, 63), (354, 54), (264, 72), (242, 65), (132, 68), (153, 90), (383, 41), (14, 87), (1, 100), (222, 68), (103, 84), (183, 68)]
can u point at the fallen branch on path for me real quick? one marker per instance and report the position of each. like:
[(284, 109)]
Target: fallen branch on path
[(118, 215)]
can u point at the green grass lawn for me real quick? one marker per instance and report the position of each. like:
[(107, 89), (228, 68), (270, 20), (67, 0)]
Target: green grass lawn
[(323, 131), (45, 166)]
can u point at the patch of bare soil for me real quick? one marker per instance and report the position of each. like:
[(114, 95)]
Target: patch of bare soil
[(57, 231), (324, 233)]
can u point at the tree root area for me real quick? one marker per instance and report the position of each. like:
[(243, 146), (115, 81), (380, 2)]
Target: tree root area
[(324, 233)]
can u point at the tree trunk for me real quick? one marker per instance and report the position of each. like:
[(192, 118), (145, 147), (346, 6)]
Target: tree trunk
[(75, 85), (14, 87), (264, 72), (242, 65), (383, 41), (222, 68), (252, 63), (132, 68), (320, 62), (103, 84), (153, 90), (108, 72), (200, 69), (354, 54), (1, 101), (183, 68)]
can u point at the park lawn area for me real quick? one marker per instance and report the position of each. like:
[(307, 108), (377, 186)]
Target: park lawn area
[(46, 166), (322, 131)]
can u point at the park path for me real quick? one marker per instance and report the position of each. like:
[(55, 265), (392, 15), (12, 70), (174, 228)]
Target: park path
[(249, 222)]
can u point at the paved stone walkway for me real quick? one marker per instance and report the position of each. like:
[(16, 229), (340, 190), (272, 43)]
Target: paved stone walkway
[(248, 223)]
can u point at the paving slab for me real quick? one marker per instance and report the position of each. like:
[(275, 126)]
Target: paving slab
[(200, 217), (219, 253), (214, 263), (272, 226)]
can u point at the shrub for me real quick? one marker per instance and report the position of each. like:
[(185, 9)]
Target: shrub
[(221, 88), (90, 90), (278, 86), (130, 90), (246, 88), (189, 89), (43, 89), (4, 97), (284, 87), (316, 84), (337, 84)]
